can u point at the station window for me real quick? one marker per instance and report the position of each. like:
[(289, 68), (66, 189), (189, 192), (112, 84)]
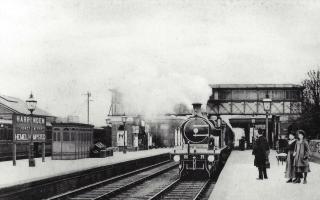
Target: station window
[(3, 135), (251, 94), (53, 136), (238, 94), (292, 94), (66, 136), (6, 134), (73, 136), (225, 94), (278, 94), (80, 136), (58, 136), (48, 134), (263, 94)]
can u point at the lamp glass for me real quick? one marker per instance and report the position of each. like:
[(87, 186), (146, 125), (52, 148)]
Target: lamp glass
[(124, 119), (267, 104), (31, 103), (219, 122)]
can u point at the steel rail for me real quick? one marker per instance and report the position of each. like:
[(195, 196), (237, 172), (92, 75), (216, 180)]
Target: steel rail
[(166, 191), (202, 190), (126, 186), (104, 182)]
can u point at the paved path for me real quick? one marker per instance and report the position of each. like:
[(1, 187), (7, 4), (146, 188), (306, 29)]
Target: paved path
[(21, 173), (238, 181)]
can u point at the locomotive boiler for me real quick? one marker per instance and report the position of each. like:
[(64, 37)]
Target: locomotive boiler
[(205, 146)]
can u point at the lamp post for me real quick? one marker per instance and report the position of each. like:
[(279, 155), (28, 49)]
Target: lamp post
[(219, 122), (253, 122), (223, 127), (124, 120), (31, 105), (267, 107)]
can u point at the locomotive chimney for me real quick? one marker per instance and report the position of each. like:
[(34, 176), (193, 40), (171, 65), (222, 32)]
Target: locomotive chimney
[(197, 108)]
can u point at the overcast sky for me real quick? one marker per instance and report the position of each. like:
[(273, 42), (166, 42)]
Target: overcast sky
[(157, 52)]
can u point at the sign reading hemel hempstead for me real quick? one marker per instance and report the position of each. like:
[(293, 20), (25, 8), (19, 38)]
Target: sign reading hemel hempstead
[(22, 124)]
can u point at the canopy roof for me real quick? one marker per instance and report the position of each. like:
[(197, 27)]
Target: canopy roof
[(19, 106), (256, 86)]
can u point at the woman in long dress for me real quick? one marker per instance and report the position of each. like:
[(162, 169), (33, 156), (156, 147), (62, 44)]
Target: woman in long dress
[(301, 156), (290, 172)]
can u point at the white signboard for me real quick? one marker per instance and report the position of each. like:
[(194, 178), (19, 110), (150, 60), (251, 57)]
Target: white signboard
[(135, 129), (135, 141), (121, 138), (150, 140)]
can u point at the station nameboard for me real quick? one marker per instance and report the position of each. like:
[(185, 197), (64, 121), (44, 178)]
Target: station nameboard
[(21, 128)]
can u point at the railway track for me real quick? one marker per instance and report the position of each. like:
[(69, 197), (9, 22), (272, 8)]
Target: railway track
[(183, 189), (111, 187), (148, 188)]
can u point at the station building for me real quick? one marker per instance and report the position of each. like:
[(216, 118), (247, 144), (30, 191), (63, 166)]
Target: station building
[(8, 107), (242, 105)]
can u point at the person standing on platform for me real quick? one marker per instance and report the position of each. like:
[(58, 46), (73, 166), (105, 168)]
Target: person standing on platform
[(261, 152), (290, 171), (301, 155)]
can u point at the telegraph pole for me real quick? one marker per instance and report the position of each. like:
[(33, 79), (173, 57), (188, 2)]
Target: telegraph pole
[(88, 94)]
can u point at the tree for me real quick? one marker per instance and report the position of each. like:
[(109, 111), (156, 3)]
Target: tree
[(310, 118), (311, 92)]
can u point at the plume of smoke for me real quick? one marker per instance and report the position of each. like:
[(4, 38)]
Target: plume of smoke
[(149, 92)]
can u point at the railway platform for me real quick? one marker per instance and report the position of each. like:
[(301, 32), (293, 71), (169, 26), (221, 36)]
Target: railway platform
[(57, 176), (238, 181), (21, 173)]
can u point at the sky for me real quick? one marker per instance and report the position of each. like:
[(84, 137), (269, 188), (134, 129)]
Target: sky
[(157, 52)]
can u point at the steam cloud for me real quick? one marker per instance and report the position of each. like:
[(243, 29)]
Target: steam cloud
[(149, 92)]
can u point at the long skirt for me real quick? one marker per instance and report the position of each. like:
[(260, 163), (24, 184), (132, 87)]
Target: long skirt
[(302, 169), (290, 169)]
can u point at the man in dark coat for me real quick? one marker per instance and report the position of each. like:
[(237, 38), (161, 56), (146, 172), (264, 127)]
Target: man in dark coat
[(261, 152)]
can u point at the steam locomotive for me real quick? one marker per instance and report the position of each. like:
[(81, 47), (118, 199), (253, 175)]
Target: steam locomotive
[(206, 144)]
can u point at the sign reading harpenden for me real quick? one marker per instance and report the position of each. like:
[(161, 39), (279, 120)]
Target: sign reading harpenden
[(21, 128)]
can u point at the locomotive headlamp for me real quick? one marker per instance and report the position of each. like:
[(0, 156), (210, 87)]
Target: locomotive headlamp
[(176, 158), (211, 158)]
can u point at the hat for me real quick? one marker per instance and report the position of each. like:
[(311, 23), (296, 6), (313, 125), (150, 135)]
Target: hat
[(301, 132)]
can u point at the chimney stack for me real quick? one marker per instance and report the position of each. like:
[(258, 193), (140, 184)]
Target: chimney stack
[(197, 109)]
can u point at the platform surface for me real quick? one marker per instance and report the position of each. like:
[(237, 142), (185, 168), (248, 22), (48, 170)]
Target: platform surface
[(238, 181), (21, 173)]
